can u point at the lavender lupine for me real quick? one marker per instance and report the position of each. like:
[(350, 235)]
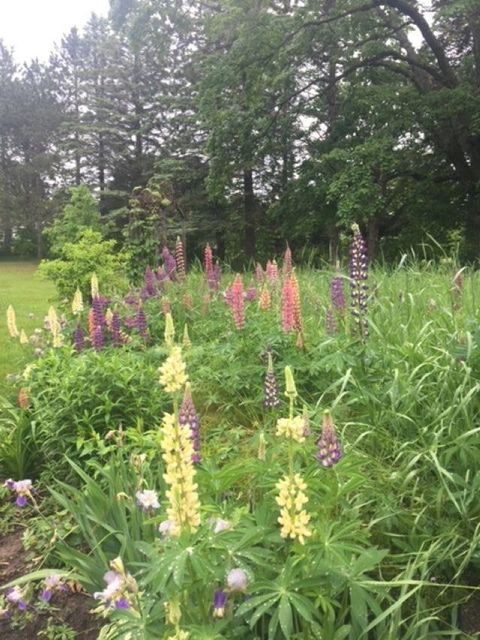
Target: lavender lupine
[(188, 417), (358, 277), (271, 398), (78, 339), (337, 295), (169, 263), (329, 451), (161, 276)]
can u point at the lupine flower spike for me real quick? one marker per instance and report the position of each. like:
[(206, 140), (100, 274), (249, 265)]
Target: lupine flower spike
[(149, 283), (358, 277), (188, 417), (94, 286), (184, 506), (186, 342), (78, 339), (337, 295), (169, 264), (173, 371), (259, 275), (23, 337), (208, 259), (264, 301), (77, 302), (329, 451), (330, 322), (169, 334), (142, 325), (12, 322), (238, 302), (271, 398), (288, 306), (272, 273), (287, 262), (180, 259), (293, 518)]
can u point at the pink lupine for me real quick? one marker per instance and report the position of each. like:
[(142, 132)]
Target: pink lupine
[(297, 309), (272, 273), (288, 306), (287, 262), (259, 275), (238, 302)]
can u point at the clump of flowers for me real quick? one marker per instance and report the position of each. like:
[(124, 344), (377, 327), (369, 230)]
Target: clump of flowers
[(358, 278), (183, 511), (329, 451), (188, 418), (173, 371), (121, 588), (291, 428), (291, 498), (22, 489)]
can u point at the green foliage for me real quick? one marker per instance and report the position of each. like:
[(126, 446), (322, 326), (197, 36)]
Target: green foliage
[(20, 457), (79, 260), (79, 215)]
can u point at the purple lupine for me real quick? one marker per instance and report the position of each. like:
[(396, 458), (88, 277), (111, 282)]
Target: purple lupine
[(188, 417), (98, 316), (329, 451), (169, 263), (358, 277), (161, 276), (115, 329), (130, 322), (219, 603), (97, 341), (141, 322), (271, 399), (337, 295), (131, 299), (78, 339), (330, 322), (149, 282)]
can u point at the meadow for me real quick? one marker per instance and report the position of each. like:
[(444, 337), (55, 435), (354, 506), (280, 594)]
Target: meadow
[(270, 455)]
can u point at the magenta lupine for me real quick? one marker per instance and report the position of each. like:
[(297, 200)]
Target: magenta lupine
[(141, 322), (149, 289), (337, 295), (288, 306), (188, 417), (169, 263), (271, 398), (238, 302), (287, 262), (115, 329), (329, 451), (358, 278), (78, 339), (180, 259), (131, 299)]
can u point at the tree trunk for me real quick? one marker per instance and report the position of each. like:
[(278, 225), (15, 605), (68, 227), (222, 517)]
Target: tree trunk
[(249, 214)]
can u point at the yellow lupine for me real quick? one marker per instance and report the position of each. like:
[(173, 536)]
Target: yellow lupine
[(173, 371), (291, 428), (187, 343), (12, 322), (94, 285), (293, 517), (184, 505), (169, 330), (77, 302)]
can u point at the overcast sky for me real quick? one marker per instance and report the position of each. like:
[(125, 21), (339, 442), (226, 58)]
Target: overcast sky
[(32, 26)]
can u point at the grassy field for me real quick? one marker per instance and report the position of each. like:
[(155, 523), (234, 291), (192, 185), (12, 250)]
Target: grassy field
[(30, 298)]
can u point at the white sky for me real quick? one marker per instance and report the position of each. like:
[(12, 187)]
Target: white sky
[(31, 27)]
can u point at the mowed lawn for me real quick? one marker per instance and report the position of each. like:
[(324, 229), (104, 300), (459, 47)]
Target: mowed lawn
[(30, 297)]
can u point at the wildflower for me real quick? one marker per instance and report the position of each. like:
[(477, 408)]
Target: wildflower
[(16, 596), (12, 322), (55, 328), (337, 295), (238, 306), (169, 333), (78, 339), (237, 580), (290, 388), (94, 286), (121, 586), (291, 428), (180, 259), (329, 451), (292, 499), (297, 309), (77, 302), (22, 488), (187, 343), (259, 275), (219, 603), (97, 341), (214, 277), (271, 398), (184, 505), (22, 399), (50, 585), (149, 282), (287, 262), (23, 337), (288, 306), (97, 308), (142, 325), (272, 273), (188, 417), (165, 528), (358, 277), (169, 264), (147, 500), (264, 301), (251, 293), (330, 322), (115, 329), (208, 259), (218, 525), (173, 371)]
